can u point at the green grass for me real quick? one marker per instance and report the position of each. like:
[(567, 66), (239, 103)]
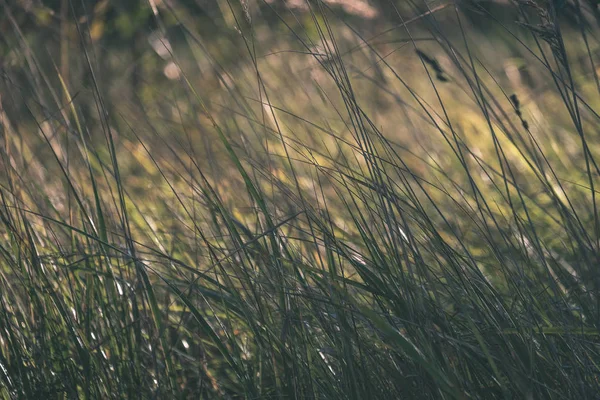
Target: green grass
[(310, 209)]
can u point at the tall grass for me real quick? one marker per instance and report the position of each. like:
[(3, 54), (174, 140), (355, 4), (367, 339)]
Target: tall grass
[(333, 212)]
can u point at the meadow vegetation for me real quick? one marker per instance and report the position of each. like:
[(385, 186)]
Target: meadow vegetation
[(299, 199)]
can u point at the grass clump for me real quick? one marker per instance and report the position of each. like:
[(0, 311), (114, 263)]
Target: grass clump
[(299, 205)]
